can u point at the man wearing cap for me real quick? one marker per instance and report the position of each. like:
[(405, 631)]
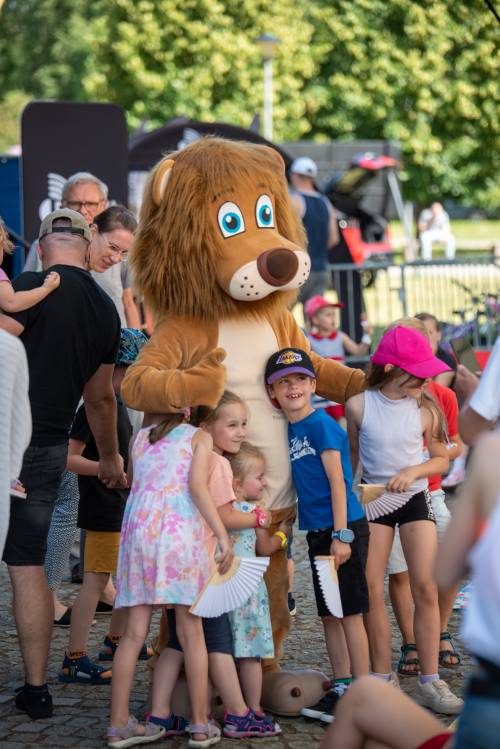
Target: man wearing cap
[(320, 223), (71, 340)]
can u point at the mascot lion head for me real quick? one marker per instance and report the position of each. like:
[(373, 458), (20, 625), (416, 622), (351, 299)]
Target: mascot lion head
[(218, 237)]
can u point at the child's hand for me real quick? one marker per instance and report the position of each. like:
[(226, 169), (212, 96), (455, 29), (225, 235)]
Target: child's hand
[(263, 517), (341, 551), (52, 281), (402, 481), (366, 324), (224, 556)]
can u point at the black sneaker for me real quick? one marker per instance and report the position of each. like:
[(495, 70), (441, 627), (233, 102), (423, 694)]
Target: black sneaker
[(292, 609), (324, 706), (339, 689), (36, 701)]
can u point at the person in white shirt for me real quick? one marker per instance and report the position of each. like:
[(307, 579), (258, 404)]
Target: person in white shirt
[(434, 226), (483, 409)]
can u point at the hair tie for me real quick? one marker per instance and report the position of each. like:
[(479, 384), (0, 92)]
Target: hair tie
[(186, 412)]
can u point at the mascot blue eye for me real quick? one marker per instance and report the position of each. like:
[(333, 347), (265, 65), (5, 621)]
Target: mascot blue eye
[(264, 212), (230, 220)]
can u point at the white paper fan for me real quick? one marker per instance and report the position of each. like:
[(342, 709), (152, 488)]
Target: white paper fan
[(377, 501), (227, 592), (329, 582)]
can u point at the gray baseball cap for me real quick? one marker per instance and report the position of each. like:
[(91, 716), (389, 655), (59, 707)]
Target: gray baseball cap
[(78, 225)]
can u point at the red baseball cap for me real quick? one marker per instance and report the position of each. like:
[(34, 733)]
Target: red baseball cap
[(409, 350), (316, 303)]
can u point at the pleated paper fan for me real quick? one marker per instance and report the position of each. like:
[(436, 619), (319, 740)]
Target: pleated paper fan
[(329, 582), (227, 592), (377, 501)]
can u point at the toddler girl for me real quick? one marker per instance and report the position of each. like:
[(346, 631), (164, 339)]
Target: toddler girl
[(17, 301), (251, 623), (163, 559), (331, 343), (386, 424)]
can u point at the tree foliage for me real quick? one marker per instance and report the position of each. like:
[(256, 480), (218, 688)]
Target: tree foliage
[(425, 74)]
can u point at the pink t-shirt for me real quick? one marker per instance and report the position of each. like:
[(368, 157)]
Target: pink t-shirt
[(220, 486), (4, 276)]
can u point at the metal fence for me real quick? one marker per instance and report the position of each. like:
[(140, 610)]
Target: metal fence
[(464, 292)]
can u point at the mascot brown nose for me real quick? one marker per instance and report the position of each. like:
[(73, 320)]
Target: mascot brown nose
[(277, 267)]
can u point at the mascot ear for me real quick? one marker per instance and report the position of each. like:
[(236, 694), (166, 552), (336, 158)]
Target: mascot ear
[(161, 179)]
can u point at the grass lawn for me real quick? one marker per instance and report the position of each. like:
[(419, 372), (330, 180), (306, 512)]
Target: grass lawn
[(486, 232)]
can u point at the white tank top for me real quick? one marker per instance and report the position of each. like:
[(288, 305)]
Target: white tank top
[(390, 439), (481, 622)]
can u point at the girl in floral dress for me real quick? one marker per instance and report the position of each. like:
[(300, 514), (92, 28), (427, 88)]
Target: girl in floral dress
[(251, 623), (164, 559)]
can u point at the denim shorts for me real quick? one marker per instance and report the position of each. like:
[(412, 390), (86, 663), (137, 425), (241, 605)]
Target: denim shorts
[(479, 723), (30, 518), (217, 631)]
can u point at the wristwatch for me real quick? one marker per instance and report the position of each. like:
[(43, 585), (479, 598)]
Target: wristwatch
[(346, 535), (282, 536)]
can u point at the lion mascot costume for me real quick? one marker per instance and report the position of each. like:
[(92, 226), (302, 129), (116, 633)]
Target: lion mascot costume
[(219, 257)]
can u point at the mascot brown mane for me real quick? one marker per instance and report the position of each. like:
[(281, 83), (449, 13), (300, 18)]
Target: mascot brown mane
[(178, 248), (219, 258)]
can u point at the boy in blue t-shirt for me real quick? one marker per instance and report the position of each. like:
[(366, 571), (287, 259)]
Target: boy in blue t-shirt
[(328, 508)]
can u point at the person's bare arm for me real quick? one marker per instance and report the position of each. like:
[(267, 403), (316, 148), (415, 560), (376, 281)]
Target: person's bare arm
[(198, 487), (10, 325), (298, 204), (266, 544), (437, 464), (132, 314), (77, 463), (445, 379), (354, 348), (235, 520), (472, 425), (354, 414), (332, 464), (333, 228), (18, 301), (100, 407)]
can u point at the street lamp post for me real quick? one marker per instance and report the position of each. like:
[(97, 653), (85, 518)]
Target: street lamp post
[(268, 44)]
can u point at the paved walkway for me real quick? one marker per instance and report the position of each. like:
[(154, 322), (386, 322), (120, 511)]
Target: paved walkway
[(81, 712)]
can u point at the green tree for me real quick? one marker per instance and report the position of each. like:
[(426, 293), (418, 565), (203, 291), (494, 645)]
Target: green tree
[(10, 111), (162, 58), (425, 74)]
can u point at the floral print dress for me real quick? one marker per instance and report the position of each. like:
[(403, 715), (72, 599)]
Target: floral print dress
[(251, 623), (163, 552)]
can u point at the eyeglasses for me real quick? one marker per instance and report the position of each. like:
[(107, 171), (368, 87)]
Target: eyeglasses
[(77, 205), (117, 250)]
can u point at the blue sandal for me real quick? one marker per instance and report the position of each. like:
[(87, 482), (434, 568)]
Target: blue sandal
[(82, 671), (249, 726), (108, 653)]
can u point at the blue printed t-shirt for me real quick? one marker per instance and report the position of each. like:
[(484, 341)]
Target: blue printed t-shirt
[(307, 439)]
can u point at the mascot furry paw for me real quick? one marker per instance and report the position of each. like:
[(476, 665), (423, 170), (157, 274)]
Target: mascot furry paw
[(219, 258)]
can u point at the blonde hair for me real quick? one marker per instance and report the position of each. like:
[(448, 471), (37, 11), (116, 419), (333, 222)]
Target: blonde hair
[(241, 461), (5, 244), (197, 415), (409, 322)]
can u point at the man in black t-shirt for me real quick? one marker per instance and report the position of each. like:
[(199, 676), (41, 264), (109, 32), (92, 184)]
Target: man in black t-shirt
[(71, 339)]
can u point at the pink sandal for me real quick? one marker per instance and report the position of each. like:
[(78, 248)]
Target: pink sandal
[(133, 733), (211, 730)]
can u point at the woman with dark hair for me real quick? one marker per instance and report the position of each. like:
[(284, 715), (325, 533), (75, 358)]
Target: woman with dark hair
[(112, 237)]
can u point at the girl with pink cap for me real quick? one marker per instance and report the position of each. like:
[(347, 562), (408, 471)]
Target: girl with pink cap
[(387, 425)]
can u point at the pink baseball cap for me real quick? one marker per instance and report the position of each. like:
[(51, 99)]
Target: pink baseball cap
[(316, 303), (411, 351)]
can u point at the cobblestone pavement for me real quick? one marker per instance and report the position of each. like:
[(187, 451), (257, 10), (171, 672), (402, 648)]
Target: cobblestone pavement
[(81, 712)]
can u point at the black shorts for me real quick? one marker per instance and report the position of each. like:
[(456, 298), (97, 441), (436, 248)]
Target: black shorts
[(217, 631), (352, 579), (30, 518), (418, 507)]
